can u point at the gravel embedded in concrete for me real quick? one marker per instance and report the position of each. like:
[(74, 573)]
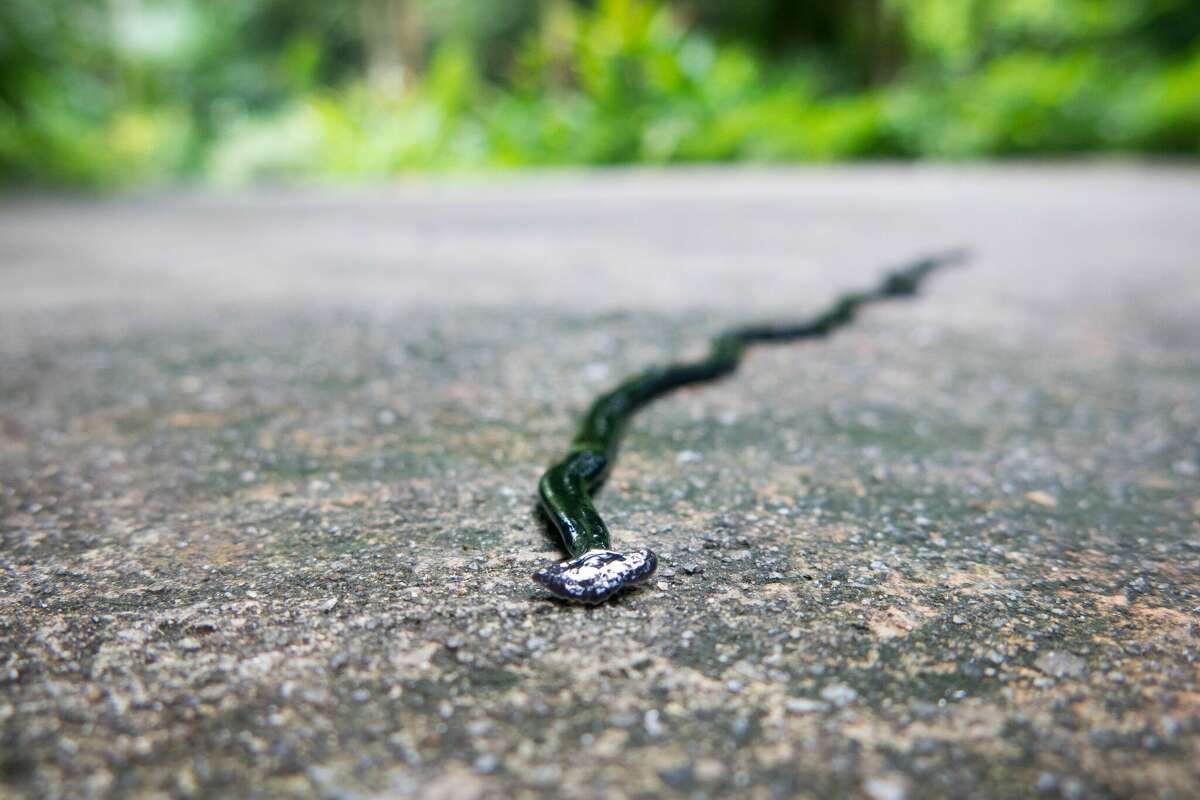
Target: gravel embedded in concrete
[(267, 465)]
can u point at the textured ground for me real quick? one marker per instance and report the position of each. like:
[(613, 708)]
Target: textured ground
[(267, 462)]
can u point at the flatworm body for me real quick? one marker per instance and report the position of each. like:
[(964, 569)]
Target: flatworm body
[(595, 571)]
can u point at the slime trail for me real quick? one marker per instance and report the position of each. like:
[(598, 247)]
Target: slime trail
[(595, 572)]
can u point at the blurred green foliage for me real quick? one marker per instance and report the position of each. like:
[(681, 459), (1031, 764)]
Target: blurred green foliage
[(117, 92)]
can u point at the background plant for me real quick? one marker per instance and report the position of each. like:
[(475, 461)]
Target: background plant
[(112, 92)]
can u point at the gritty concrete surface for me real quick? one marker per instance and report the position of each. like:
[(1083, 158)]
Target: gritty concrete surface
[(267, 465)]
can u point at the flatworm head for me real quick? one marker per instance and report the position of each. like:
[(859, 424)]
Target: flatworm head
[(596, 575)]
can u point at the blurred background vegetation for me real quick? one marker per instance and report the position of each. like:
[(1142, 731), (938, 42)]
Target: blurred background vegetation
[(115, 92)]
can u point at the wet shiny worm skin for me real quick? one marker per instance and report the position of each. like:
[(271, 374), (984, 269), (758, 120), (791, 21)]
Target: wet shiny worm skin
[(595, 572)]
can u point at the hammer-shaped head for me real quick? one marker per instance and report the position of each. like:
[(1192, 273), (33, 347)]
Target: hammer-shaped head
[(596, 575)]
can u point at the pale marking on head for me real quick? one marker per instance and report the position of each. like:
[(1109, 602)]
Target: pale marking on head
[(596, 575)]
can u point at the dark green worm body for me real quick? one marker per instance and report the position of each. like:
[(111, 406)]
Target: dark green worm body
[(565, 488)]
